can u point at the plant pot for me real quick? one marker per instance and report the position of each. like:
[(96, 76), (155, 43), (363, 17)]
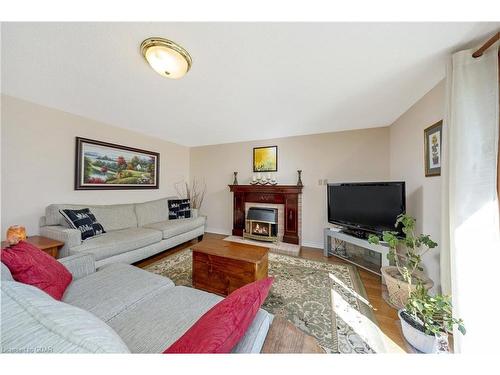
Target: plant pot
[(418, 339), (397, 288)]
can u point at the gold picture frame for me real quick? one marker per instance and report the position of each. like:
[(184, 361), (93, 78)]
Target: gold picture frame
[(433, 140)]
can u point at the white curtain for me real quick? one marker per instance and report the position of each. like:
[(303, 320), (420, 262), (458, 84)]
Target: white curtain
[(470, 255)]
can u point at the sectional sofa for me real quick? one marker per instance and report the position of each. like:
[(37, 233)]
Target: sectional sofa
[(133, 231), (117, 309)]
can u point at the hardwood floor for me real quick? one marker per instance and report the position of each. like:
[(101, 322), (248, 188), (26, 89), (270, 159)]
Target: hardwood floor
[(386, 316)]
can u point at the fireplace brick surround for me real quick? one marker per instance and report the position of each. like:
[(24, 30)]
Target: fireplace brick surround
[(287, 195)]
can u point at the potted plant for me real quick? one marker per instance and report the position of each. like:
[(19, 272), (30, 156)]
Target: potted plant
[(426, 320), (402, 278)]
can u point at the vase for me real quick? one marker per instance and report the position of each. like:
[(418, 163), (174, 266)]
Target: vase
[(235, 181)]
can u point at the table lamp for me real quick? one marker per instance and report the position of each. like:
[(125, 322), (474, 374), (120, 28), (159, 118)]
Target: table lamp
[(16, 233)]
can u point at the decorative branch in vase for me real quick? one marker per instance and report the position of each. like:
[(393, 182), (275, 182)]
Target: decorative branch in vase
[(194, 192)]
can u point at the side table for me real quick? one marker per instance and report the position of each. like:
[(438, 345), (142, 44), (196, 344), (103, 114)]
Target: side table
[(45, 244)]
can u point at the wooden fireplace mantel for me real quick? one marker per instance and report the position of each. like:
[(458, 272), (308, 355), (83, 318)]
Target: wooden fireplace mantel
[(288, 195)]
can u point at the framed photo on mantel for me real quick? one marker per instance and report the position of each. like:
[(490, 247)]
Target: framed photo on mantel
[(107, 166), (433, 138)]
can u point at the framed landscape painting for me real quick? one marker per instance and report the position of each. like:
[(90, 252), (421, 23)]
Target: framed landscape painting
[(265, 159), (107, 166), (433, 138)]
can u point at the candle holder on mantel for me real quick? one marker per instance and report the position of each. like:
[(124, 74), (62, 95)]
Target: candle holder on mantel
[(263, 180), (235, 181), (299, 181)]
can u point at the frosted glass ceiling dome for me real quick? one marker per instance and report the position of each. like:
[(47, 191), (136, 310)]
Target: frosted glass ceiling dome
[(167, 58)]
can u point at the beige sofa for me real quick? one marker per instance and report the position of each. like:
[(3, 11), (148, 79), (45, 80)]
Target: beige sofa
[(133, 231)]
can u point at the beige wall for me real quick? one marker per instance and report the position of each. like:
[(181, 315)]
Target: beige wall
[(38, 161), (37, 156), (407, 163), (360, 155)]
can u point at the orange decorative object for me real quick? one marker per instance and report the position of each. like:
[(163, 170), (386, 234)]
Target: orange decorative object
[(15, 234)]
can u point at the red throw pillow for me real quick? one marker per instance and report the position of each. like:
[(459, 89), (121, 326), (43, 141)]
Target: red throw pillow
[(30, 265), (220, 329)]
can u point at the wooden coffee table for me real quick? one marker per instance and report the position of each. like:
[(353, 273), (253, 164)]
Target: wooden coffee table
[(222, 266)]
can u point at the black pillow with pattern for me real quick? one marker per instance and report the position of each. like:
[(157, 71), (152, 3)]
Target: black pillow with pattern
[(84, 221), (99, 229), (179, 209)]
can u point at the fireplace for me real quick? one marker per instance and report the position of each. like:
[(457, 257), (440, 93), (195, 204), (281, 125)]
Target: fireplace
[(287, 195), (261, 224)]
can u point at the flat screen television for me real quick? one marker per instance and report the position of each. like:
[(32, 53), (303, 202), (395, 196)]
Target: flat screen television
[(366, 207)]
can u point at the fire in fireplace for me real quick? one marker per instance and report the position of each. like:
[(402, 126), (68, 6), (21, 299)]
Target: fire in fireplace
[(261, 224)]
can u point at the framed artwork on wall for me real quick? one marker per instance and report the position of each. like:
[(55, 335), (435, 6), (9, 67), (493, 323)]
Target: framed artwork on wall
[(265, 159), (433, 138), (107, 166)]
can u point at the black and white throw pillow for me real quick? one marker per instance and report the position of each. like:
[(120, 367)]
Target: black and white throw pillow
[(99, 229), (83, 220), (179, 209)]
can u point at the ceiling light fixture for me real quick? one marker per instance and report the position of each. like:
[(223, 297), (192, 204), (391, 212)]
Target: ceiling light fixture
[(167, 58)]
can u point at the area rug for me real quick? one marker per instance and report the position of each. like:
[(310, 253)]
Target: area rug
[(325, 300), (275, 247)]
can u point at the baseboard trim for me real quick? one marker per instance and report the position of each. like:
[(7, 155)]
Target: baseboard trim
[(218, 231), (315, 245)]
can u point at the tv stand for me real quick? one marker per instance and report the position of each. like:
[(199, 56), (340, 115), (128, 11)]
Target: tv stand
[(355, 233), (335, 244)]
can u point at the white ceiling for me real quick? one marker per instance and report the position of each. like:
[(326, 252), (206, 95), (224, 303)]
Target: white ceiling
[(248, 80)]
